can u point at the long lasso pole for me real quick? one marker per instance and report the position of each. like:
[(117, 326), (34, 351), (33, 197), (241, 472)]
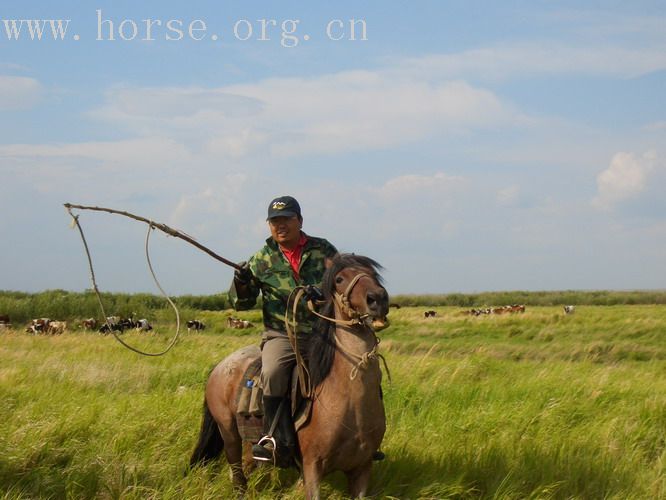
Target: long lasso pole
[(162, 227), (75, 222)]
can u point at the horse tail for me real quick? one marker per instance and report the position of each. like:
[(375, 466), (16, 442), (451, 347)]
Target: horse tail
[(210, 443)]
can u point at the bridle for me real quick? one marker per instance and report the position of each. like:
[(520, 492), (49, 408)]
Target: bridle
[(343, 302), (355, 318)]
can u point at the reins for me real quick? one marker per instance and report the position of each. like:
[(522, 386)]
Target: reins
[(301, 366)]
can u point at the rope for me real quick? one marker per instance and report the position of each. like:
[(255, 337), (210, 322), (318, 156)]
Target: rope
[(292, 333), (75, 222), (356, 319), (364, 359), (342, 299)]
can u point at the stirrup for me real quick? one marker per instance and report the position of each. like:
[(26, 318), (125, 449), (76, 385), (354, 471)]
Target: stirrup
[(266, 440)]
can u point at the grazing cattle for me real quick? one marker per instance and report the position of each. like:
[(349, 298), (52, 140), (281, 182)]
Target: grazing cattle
[(569, 309), (238, 323), (39, 325), (56, 327), (430, 314), (117, 324), (195, 325), (514, 308), (142, 325), (4, 322), (89, 324), (397, 306)]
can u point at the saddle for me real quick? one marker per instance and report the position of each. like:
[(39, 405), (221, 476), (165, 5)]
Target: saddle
[(249, 403)]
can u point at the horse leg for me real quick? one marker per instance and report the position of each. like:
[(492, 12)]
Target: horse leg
[(249, 464), (358, 480), (233, 450), (312, 474)]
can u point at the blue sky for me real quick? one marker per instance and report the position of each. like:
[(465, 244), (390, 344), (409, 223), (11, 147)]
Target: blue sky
[(467, 146)]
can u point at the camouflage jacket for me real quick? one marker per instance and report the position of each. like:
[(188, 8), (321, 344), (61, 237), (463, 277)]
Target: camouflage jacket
[(276, 281)]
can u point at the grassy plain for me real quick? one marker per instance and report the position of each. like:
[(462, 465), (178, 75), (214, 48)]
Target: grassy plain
[(533, 405)]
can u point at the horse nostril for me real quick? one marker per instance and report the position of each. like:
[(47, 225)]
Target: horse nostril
[(374, 299)]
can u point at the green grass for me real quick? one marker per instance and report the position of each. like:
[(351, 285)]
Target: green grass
[(537, 405)]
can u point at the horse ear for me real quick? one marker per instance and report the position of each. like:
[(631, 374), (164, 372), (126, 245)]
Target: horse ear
[(328, 263)]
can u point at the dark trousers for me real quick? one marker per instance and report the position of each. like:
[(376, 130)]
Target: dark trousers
[(277, 363)]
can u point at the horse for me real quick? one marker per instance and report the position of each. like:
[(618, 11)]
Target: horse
[(347, 420)]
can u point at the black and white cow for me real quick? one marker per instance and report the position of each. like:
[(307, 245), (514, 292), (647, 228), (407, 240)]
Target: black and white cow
[(195, 325)]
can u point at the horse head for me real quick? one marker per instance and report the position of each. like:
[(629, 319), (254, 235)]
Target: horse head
[(354, 286)]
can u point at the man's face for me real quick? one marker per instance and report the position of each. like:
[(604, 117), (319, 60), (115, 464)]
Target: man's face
[(286, 231)]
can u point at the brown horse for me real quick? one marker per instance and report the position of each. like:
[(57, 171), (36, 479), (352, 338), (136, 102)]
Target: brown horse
[(347, 420)]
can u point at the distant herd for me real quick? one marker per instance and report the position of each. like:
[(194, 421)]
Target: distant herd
[(513, 308), (48, 326)]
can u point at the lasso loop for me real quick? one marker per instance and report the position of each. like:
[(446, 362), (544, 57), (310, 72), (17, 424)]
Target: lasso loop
[(75, 221)]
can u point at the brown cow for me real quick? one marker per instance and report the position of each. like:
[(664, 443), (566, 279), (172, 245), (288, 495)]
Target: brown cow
[(39, 325), (56, 327), (238, 323), (89, 324)]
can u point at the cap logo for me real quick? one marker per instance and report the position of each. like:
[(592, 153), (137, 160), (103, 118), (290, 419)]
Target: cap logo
[(279, 205)]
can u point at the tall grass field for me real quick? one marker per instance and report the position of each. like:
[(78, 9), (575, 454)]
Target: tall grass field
[(533, 405)]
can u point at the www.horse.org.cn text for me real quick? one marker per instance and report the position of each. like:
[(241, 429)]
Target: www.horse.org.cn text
[(288, 33)]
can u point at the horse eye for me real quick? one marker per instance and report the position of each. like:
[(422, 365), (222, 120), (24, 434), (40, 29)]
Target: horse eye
[(339, 279)]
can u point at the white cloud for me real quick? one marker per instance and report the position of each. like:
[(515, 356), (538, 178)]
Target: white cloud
[(602, 24), (549, 58), (417, 185), (341, 112), (625, 178), (19, 92), (109, 170), (655, 126), (148, 151), (508, 196), (222, 200)]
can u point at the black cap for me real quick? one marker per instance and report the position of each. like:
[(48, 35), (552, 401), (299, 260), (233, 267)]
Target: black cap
[(284, 206)]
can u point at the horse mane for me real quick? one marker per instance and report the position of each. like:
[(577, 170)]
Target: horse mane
[(321, 344)]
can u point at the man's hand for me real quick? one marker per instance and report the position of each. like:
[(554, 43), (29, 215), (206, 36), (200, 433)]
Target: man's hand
[(313, 293), (243, 276)]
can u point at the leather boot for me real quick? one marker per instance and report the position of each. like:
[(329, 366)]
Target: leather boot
[(284, 435)]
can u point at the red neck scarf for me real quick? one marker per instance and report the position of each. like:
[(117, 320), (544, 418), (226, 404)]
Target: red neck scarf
[(294, 256)]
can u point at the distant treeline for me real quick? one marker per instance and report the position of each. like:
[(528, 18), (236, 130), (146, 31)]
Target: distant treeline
[(552, 298), (65, 305)]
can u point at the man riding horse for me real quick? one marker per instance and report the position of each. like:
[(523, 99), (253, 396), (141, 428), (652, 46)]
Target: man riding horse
[(290, 258)]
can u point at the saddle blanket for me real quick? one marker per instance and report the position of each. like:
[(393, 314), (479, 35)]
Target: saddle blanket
[(250, 408)]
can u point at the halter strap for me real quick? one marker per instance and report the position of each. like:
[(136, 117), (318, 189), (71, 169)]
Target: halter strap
[(356, 318), (342, 300), (363, 359)]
